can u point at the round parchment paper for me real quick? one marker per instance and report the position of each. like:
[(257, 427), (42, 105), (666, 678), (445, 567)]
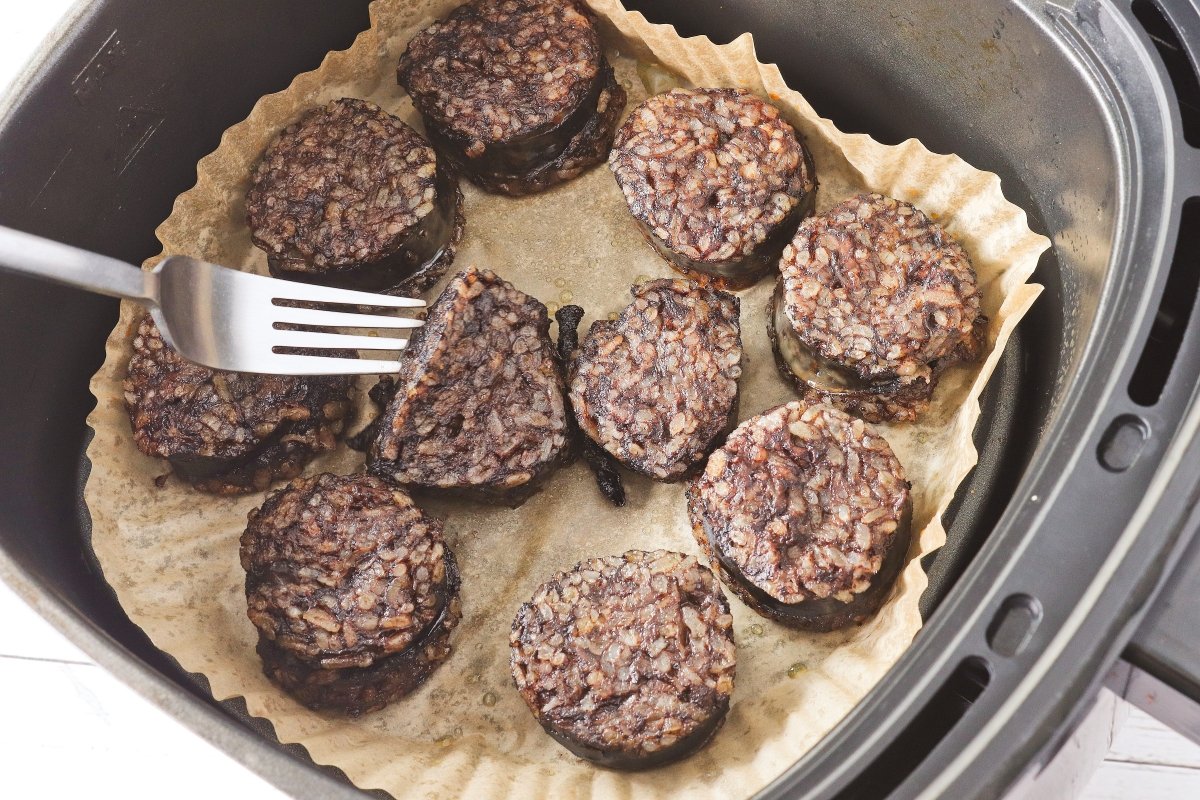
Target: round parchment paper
[(170, 553)]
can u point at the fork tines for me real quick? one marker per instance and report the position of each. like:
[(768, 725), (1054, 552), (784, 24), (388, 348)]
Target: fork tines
[(300, 304)]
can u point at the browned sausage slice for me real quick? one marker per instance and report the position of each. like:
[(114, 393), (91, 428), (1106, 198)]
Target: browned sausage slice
[(805, 513), (874, 300), (627, 661), (716, 179), (352, 589), (479, 409), (350, 196), (517, 92), (657, 388), (228, 432)]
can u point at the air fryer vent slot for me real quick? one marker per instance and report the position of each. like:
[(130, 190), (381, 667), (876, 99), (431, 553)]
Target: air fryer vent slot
[(1179, 66), (906, 752), (1174, 311)]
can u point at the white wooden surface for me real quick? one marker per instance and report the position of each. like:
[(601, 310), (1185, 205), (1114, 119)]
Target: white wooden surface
[(69, 729), (1144, 740), (1147, 760)]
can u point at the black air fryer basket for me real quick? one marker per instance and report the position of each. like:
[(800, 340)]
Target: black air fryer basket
[(1076, 522)]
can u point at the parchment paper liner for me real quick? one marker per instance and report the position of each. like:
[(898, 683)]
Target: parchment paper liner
[(171, 553)]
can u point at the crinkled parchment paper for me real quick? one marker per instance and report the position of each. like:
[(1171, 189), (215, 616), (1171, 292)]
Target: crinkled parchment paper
[(171, 553)]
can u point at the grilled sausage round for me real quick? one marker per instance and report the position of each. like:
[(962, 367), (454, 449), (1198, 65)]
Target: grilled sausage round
[(479, 408), (350, 196), (352, 589), (517, 92), (657, 388), (716, 179), (874, 300), (627, 661), (804, 512), (228, 432)]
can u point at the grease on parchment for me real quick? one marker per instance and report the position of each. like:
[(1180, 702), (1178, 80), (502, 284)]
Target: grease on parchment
[(171, 553)]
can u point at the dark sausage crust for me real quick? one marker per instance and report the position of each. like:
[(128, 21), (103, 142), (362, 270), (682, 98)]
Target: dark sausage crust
[(601, 463), (584, 149), (629, 660), (657, 387), (361, 690), (352, 589), (820, 381), (479, 410), (350, 196), (717, 180), (874, 301), (806, 514), (228, 432), (517, 92)]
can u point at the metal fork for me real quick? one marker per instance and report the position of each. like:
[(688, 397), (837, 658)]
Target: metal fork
[(220, 317)]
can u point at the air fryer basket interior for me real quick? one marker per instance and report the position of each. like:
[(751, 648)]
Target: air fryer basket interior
[(108, 128)]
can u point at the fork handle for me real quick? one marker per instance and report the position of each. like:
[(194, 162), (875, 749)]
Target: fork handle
[(61, 263)]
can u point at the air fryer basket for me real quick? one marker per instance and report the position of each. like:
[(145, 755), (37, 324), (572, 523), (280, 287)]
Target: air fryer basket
[(1089, 459)]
